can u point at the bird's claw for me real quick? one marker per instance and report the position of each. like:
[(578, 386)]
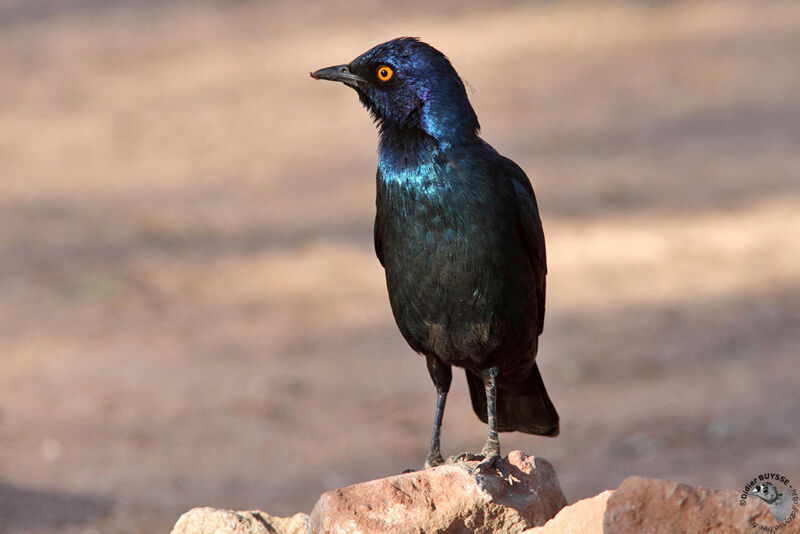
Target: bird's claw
[(433, 460), (489, 462), (486, 462), (466, 457)]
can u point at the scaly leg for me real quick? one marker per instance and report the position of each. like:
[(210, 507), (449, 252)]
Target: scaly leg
[(442, 375), (491, 451)]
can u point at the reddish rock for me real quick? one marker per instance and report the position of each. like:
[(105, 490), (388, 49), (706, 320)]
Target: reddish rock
[(212, 521), (448, 499), (583, 517), (663, 507), (451, 499)]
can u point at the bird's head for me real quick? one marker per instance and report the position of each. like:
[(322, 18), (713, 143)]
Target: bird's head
[(407, 84), (766, 491)]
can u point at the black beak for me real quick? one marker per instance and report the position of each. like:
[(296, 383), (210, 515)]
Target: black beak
[(339, 73)]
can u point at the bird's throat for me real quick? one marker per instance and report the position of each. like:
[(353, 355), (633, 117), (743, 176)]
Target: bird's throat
[(412, 160)]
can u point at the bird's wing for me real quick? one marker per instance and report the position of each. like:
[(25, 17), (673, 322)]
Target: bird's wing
[(376, 230), (376, 234), (529, 225)]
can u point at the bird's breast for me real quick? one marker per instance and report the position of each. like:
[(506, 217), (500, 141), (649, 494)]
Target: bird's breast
[(447, 244)]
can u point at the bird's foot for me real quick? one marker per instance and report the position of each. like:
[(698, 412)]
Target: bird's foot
[(487, 460), (465, 457), (491, 456), (434, 459), (490, 461)]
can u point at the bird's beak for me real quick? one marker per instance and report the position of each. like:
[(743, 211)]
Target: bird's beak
[(339, 73)]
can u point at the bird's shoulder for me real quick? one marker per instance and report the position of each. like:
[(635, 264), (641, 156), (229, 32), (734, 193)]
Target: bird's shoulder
[(506, 171)]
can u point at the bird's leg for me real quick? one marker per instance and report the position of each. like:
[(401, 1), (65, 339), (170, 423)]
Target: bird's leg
[(442, 375), (435, 453), (491, 451)]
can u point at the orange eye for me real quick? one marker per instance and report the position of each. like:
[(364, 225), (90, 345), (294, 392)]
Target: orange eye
[(385, 73)]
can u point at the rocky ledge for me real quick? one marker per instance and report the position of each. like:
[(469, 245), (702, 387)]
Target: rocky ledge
[(524, 496)]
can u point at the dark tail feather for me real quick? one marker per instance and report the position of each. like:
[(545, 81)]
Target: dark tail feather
[(530, 411)]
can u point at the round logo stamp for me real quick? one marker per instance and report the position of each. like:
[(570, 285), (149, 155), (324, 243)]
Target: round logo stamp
[(782, 499)]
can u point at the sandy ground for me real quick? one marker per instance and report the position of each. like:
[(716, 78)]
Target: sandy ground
[(190, 308)]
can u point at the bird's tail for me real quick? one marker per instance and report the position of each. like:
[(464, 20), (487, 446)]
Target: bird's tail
[(530, 411)]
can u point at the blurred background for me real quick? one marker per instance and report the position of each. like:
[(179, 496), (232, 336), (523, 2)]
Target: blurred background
[(191, 312)]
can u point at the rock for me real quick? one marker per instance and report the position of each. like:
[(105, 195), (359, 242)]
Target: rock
[(663, 507), (451, 499), (212, 521), (658, 507), (448, 499), (583, 517)]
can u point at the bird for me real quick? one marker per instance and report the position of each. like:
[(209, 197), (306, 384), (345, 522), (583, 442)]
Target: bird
[(458, 232), (780, 504)]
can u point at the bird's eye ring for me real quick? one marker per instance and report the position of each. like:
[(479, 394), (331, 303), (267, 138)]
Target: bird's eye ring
[(385, 73)]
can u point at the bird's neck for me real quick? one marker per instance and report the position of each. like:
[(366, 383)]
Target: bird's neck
[(408, 152), (410, 158), (399, 146), (404, 146)]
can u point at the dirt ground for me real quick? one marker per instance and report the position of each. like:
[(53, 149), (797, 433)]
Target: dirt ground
[(191, 312)]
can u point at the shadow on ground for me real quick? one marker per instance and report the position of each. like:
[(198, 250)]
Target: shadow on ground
[(25, 509)]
